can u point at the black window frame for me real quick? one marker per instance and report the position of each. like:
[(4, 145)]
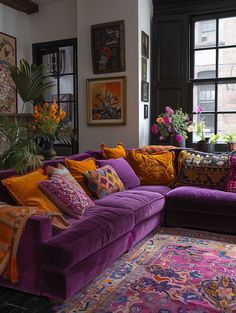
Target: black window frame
[(211, 81)]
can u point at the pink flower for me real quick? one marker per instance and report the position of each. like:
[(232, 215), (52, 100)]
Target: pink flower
[(169, 111), (169, 129), (179, 138), (162, 138), (154, 129), (199, 109), (166, 120)]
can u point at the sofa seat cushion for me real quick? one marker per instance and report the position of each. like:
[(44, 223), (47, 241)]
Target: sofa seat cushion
[(159, 189), (98, 227), (202, 200), (141, 203)]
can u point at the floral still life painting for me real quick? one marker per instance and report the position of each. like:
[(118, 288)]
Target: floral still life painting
[(8, 96), (108, 47), (106, 101)]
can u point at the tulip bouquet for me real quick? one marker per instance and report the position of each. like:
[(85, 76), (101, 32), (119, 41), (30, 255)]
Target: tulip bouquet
[(172, 123)]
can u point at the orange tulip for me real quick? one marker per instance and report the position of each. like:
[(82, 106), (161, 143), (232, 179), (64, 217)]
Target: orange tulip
[(159, 120)]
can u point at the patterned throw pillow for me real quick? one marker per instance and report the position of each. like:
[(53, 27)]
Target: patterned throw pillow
[(67, 196), (231, 182), (103, 181), (202, 169), (61, 170), (153, 169)]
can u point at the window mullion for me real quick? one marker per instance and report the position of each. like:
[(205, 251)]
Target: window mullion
[(217, 76)]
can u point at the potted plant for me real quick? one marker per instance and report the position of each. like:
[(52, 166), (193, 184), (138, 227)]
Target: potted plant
[(230, 139), (172, 125), (204, 144)]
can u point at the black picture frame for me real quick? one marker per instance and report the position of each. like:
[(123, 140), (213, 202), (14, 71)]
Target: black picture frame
[(145, 44), (108, 47), (144, 68), (145, 111), (144, 91)]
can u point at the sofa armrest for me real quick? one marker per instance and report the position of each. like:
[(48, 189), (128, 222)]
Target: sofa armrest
[(39, 228)]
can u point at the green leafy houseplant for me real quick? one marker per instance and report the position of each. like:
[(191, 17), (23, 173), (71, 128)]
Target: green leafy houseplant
[(31, 81), (213, 138), (230, 139)]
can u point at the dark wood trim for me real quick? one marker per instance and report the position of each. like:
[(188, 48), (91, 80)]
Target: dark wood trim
[(197, 7), (26, 6)]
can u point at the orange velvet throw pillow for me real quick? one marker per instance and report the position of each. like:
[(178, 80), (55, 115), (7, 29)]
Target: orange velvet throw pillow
[(113, 153), (77, 170), (25, 190), (153, 169)]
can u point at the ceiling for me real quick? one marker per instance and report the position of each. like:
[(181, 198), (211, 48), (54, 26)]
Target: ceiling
[(43, 1)]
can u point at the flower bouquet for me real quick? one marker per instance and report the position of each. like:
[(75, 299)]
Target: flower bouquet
[(172, 124)]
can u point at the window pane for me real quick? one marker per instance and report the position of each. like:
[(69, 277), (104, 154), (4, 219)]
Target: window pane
[(66, 60), (205, 64), (227, 31), (226, 123), (227, 62), (204, 96), (205, 34), (209, 122), (67, 85), (227, 97), (51, 92)]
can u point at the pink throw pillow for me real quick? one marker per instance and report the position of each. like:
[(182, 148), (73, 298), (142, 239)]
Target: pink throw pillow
[(231, 182), (67, 196)]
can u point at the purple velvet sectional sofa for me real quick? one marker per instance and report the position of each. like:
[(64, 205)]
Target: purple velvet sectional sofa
[(56, 263)]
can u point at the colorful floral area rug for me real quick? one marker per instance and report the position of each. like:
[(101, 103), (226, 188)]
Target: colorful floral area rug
[(174, 271)]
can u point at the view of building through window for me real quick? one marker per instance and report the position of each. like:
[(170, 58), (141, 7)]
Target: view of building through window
[(214, 71)]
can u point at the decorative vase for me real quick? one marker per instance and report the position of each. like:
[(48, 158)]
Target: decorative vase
[(205, 146), (174, 142), (47, 149)]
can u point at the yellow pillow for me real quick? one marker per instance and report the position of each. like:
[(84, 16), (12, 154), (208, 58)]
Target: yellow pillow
[(78, 168), (25, 190), (113, 153), (153, 169)]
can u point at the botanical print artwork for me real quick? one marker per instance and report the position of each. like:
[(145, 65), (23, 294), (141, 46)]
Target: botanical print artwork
[(106, 101), (7, 88)]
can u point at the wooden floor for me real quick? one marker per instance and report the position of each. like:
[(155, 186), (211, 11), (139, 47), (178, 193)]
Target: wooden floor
[(12, 301)]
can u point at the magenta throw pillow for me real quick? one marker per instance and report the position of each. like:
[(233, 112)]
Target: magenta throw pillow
[(70, 198), (231, 182)]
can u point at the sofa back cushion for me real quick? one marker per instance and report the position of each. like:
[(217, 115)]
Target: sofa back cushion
[(202, 169), (153, 169), (103, 181), (124, 171), (231, 181), (67, 195)]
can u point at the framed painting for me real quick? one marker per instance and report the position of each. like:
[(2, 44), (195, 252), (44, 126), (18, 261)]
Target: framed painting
[(144, 91), (145, 45), (145, 113), (8, 94), (106, 101), (108, 47), (144, 69)]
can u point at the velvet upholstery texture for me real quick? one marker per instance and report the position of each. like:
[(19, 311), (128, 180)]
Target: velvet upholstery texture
[(124, 171), (103, 181), (231, 180), (68, 196)]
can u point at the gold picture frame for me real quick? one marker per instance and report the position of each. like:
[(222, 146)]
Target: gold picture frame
[(106, 101)]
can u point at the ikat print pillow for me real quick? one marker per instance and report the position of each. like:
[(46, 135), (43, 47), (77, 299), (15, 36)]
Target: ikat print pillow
[(231, 181), (67, 196), (103, 181)]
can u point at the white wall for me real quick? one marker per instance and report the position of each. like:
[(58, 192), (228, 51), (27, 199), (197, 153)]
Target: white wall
[(55, 20), (145, 12), (17, 24), (101, 11)]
